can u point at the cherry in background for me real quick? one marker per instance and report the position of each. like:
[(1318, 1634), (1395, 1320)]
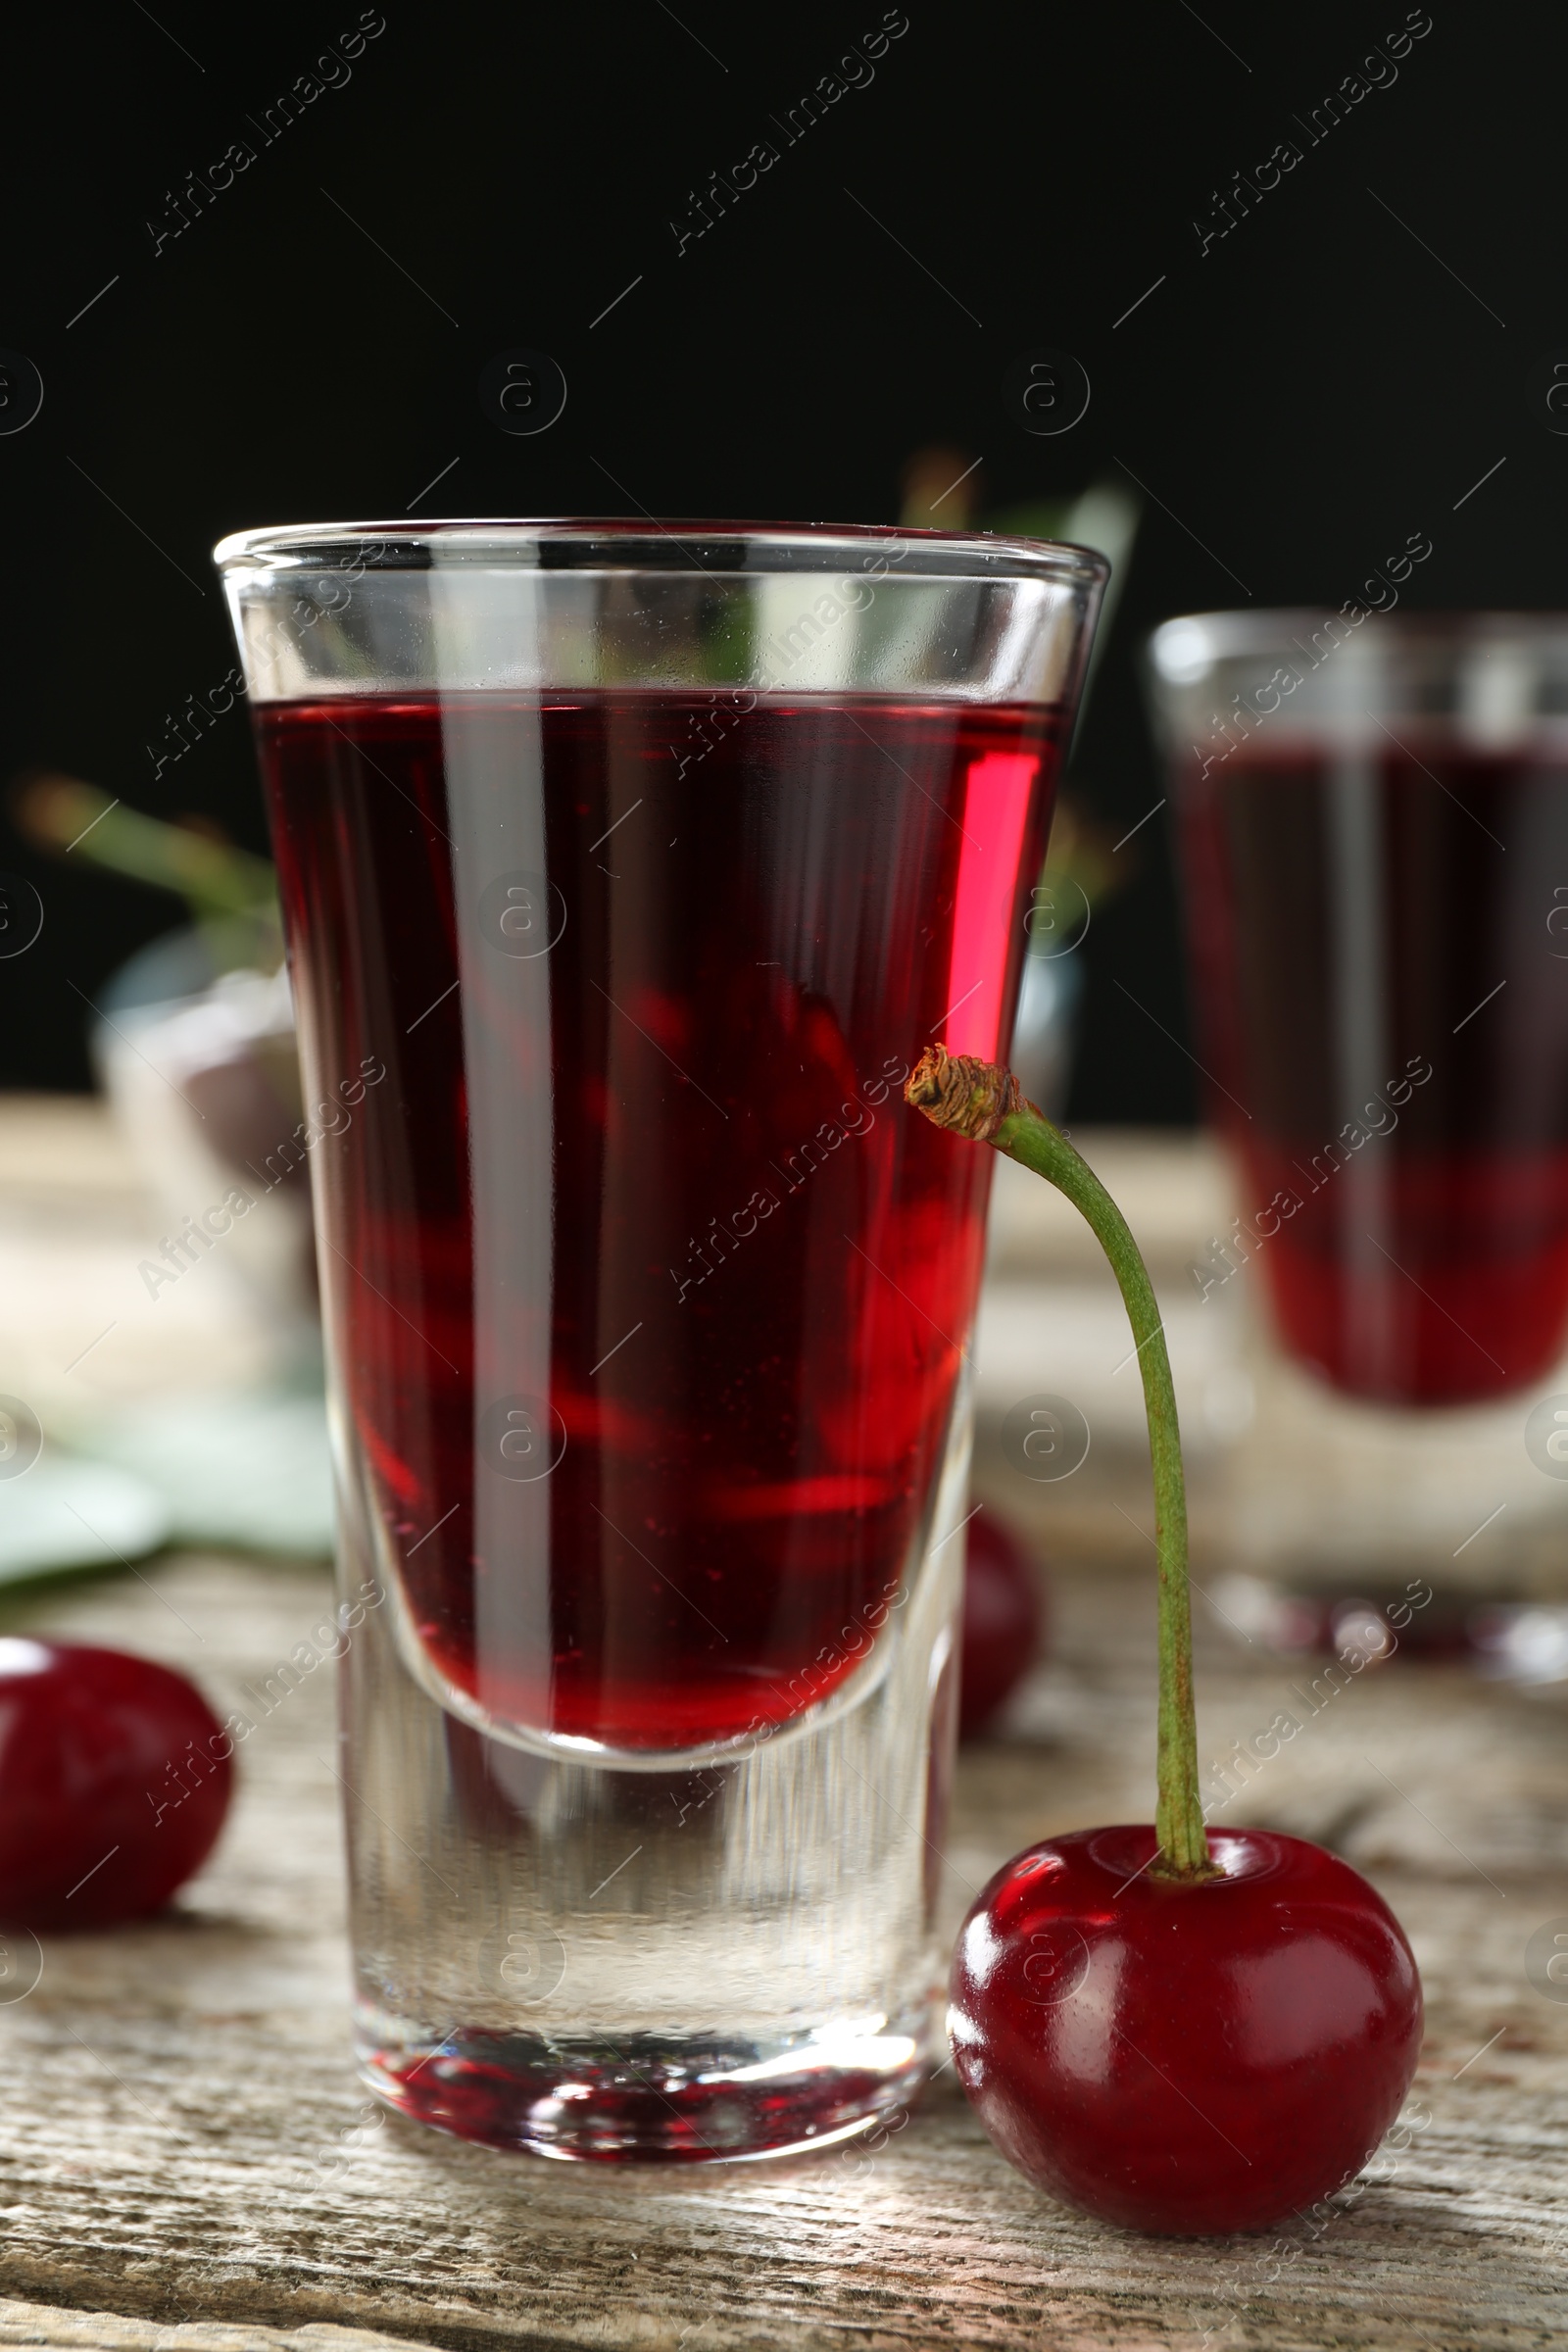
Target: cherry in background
[(1003, 1620), (1185, 2058), (115, 1779)]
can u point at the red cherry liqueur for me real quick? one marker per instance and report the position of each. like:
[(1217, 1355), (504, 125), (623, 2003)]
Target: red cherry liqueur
[(694, 948)]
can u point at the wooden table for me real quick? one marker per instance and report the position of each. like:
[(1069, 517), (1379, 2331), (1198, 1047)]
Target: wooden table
[(186, 2157)]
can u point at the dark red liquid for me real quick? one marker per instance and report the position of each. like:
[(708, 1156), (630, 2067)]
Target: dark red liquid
[(650, 1192), (1357, 919)]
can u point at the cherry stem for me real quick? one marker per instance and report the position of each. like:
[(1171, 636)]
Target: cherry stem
[(981, 1101)]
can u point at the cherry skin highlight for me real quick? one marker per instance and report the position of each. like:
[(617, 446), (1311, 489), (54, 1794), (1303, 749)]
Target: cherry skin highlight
[(1187, 2058), (115, 1779), (1001, 1621)]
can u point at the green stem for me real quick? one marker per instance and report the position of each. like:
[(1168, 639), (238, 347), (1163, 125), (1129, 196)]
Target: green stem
[(214, 877), (978, 1100)]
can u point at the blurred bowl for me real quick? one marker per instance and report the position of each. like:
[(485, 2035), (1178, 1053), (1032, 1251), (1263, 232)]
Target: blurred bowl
[(197, 1061)]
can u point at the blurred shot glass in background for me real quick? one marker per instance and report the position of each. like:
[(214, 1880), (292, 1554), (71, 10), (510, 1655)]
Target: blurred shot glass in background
[(1373, 820)]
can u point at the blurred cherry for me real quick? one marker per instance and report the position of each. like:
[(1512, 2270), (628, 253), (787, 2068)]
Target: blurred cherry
[(1001, 1621), (115, 1779), (1185, 2057)]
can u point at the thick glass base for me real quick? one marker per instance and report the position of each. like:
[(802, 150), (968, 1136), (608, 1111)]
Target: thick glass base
[(650, 2100), (677, 1958)]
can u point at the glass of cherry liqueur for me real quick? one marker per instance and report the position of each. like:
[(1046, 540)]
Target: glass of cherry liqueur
[(644, 861), (1373, 812)]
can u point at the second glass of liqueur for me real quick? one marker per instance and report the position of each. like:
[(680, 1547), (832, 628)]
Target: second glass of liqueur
[(1374, 821)]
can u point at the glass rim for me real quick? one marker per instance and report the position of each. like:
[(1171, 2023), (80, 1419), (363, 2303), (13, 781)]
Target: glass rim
[(627, 544), (1232, 634)]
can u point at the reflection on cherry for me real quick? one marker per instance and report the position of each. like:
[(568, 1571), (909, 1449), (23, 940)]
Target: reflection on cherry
[(115, 1779)]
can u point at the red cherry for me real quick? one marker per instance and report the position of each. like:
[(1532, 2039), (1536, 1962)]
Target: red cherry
[(114, 1782), (1001, 1617), (1185, 2058)]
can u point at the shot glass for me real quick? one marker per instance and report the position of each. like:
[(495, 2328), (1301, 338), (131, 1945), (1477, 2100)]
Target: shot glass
[(626, 869), (1372, 810)]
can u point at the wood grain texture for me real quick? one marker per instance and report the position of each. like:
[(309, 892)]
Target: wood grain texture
[(187, 2159), (26, 2325), (188, 2163)]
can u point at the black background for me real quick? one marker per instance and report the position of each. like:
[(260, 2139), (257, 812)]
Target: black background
[(1320, 384)]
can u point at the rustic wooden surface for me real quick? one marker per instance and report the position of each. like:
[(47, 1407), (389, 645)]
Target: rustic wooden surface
[(187, 2160), (182, 2138)]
